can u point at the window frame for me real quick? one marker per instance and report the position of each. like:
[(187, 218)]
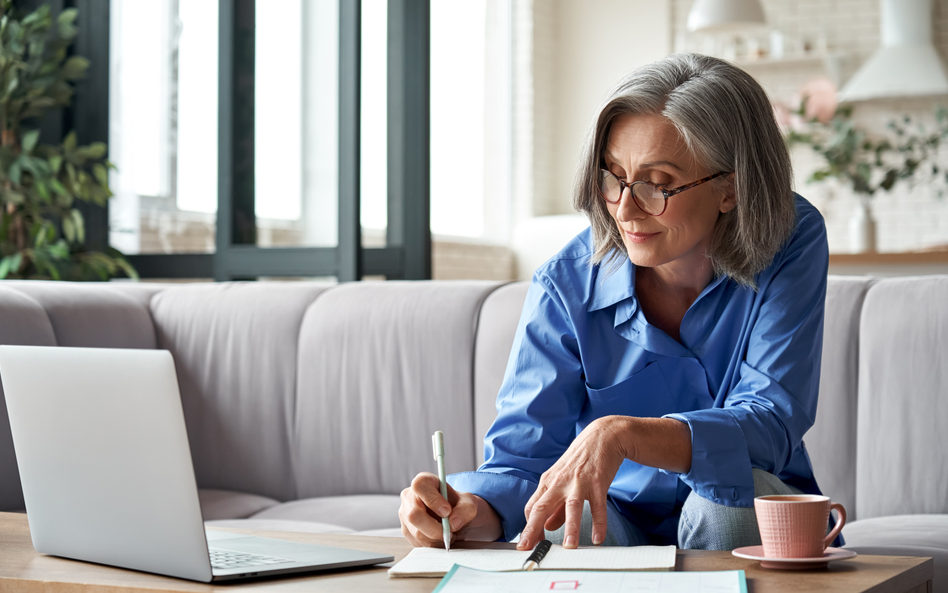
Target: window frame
[(407, 254)]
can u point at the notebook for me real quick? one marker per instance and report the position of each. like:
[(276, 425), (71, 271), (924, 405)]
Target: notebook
[(437, 562), (466, 580)]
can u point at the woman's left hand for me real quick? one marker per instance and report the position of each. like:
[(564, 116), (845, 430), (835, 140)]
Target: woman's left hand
[(584, 472)]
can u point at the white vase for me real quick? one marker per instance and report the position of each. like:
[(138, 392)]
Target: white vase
[(862, 228)]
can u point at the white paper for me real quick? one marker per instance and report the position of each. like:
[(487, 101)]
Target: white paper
[(465, 580), (438, 562)]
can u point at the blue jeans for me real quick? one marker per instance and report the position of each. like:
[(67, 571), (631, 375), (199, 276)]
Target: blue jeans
[(704, 525)]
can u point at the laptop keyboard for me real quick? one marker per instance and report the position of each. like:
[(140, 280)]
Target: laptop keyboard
[(228, 559)]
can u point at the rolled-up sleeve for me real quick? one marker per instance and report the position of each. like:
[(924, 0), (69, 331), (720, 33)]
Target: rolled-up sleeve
[(760, 421), (538, 406)]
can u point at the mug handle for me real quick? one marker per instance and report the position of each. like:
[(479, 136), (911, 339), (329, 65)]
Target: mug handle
[(839, 524)]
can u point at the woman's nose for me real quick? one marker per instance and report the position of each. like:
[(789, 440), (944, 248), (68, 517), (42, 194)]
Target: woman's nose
[(628, 208)]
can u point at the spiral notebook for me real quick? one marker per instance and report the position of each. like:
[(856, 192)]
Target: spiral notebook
[(437, 562)]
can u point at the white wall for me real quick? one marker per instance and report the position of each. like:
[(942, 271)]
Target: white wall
[(582, 48)]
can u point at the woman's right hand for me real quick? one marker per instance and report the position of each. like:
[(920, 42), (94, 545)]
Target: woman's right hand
[(422, 508)]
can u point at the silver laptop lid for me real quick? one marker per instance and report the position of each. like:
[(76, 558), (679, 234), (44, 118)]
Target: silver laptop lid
[(99, 436)]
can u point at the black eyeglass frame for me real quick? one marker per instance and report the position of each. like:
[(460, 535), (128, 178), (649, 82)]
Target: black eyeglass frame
[(667, 193)]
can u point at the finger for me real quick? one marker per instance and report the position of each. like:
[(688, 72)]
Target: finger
[(408, 530), (532, 501), (574, 517), (463, 512), (556, 520), (425, 528), (533, 532), (600, 516), (407, 534), (427, 487)]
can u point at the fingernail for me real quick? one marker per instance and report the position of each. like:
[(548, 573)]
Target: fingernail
[(570, 541), (444, 511), (455, 523), (597, 539)]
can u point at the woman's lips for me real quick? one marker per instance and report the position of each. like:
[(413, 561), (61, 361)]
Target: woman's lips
[(639, 237)]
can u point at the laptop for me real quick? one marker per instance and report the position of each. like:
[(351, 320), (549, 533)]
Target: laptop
[(106, 470)]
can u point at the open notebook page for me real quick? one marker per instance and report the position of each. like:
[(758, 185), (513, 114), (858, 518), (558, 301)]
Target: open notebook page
[(436, 562)]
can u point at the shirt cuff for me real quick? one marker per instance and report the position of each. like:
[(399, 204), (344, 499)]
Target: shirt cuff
[(720, 464), (507, 494)]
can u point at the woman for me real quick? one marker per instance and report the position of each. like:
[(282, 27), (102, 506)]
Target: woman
[(667, 361)]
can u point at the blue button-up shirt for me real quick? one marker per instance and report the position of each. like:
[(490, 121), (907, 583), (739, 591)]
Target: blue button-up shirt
[(744, 378)]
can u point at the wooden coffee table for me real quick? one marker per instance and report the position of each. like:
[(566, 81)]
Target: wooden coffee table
[(24, 570)]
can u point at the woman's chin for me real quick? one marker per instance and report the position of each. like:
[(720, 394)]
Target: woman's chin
[(642, 258)]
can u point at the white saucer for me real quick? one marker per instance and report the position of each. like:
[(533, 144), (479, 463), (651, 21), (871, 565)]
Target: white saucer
[(757, 553)]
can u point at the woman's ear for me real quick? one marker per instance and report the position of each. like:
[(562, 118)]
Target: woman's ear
[(729, 195)]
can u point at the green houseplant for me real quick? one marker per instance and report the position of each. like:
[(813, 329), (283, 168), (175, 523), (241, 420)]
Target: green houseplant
[(869, 163), (42, 232)]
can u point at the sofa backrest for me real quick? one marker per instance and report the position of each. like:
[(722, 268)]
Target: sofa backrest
[(390, 363), (289, 389), (831, 443), (304, 389), (902, 447), (495, 333), (235, 347)]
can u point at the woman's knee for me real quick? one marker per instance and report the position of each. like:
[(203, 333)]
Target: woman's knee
[(706, 525)]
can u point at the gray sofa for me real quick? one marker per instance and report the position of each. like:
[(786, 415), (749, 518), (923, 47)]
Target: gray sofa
[(310, 406)]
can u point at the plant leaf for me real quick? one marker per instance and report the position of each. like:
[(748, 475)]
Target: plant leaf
[(101, 174), (29, 140), (69, 229), (80, 223), (75, 68)]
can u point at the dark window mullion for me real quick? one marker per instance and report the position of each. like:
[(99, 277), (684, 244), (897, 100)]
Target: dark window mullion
[(408, 134), (225, 133), (89, 114), (349, 251)]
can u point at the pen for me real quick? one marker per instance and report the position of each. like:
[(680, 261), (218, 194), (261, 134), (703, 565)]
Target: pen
[(538, 554), (437, 443)]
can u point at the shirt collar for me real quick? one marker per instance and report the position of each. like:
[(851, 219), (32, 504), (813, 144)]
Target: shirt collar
[(612, 284)]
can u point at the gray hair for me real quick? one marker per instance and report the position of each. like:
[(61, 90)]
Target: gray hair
[(727, 123)]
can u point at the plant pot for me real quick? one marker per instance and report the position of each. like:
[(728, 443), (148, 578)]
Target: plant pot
[(862, 228)]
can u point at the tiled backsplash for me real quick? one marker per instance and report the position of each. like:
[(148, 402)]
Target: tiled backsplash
[(908, 218)]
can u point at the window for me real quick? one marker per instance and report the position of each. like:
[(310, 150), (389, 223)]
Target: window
[(282, 198)]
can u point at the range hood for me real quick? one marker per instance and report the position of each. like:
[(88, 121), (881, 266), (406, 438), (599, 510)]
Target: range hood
[(907, 64)]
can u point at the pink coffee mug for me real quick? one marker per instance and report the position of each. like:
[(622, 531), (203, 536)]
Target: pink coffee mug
[(794, 525)]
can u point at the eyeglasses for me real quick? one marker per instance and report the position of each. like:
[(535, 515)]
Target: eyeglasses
[(649, 197)]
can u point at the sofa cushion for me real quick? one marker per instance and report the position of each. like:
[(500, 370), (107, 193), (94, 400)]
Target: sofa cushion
[(278, 525), (235, 352), (903, 398), (904, 535), (357, 511), (495, 335), (831, 443), (24, 323), (92, 315), (222, 504), (382, 365)]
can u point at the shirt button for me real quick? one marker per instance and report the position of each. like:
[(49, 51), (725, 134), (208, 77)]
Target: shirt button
[(734, 494), (714, 492)]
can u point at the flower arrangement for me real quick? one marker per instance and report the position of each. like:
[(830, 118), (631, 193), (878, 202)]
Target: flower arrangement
[(867, 163)]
